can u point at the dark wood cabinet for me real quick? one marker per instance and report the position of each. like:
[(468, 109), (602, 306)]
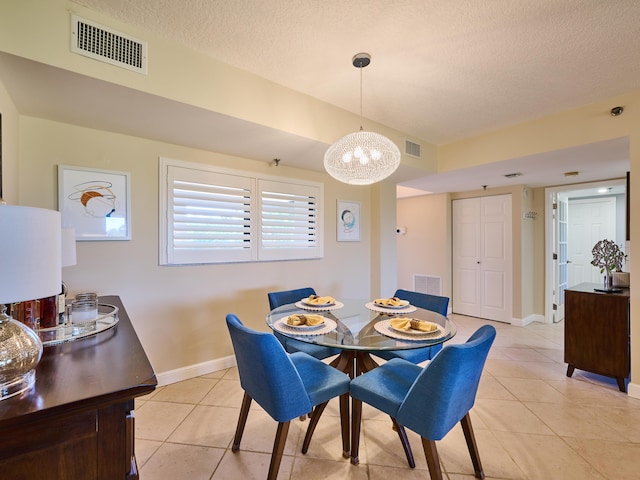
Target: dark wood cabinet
[(596, 332), (77, 422)]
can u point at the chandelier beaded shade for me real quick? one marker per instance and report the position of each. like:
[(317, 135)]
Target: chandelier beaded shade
[(362, 158)]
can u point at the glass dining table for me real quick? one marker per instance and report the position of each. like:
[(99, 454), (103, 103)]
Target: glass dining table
[(360, 328)]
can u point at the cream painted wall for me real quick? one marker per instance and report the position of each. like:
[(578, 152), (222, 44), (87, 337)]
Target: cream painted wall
[(537, 254), (383, 240), (179, 312), (10, 120), (425, 249), (592, 123), (634, 252), (527, 249)]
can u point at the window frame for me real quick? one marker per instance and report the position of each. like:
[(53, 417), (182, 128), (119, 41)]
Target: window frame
[(295, 233)]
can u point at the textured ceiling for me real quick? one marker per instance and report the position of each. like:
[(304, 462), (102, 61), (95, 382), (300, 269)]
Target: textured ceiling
[(441, 70)]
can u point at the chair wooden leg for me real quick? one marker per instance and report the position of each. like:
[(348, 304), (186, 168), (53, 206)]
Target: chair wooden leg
[(278, 449), (433, 461), (304, 417), (313, 422), (242, 421), (473, 446), (344, 423), (404, 440), (356, 417)]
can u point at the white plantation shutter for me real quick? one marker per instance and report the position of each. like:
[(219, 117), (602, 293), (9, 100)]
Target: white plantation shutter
[(212, 215), (289, 221)]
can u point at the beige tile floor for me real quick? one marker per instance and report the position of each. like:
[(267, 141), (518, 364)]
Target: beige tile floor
[(530, 420)]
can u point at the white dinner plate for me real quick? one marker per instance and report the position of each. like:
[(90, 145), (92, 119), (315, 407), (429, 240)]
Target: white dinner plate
[(415, 332), (320, 305), (403, 304), (304, 327)]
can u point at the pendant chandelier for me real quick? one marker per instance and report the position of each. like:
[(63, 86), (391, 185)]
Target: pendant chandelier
[(362, 158)]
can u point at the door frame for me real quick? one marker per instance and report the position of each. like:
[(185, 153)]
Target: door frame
[(484, 310), (592, 274), (549, 240)]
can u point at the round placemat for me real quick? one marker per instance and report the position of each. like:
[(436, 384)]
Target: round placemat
[(329, 326), (326, 308), (383, 327), (390, 311)]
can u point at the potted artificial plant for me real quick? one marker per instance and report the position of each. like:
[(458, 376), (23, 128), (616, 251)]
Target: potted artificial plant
[(608, 257)]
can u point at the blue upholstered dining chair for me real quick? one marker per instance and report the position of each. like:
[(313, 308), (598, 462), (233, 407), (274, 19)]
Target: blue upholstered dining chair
[(426, 301), (277, 299), (430, 400), (286, 386)]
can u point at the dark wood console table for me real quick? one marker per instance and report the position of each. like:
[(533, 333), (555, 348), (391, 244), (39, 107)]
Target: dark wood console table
[(77, 422), (596, 332)]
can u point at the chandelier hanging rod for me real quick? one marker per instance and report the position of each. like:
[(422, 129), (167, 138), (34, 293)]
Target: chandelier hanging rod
[(361, 60)]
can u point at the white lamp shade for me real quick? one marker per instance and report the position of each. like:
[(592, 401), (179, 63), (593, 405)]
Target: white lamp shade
[(362, 158), (30, 253)]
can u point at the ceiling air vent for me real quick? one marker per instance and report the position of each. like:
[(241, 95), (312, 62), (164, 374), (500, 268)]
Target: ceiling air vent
[(412, 149), (102, 43)]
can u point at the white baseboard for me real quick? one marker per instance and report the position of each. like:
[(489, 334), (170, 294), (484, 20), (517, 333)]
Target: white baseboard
[(191, 371), (523, 322), (633, 390)]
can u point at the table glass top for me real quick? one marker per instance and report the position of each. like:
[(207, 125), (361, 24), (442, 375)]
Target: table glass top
[(358, 327)]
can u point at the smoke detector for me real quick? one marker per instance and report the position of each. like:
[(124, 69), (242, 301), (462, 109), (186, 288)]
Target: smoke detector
[(615, 111)]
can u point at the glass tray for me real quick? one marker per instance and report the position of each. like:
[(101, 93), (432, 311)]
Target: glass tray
[(107, 318)]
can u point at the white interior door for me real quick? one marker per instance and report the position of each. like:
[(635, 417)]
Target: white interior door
[(561, 255), (590, 220), (482, 257), (466, 257)]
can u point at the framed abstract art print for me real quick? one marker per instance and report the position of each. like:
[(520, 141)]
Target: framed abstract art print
[(95, 202), (348, 221)]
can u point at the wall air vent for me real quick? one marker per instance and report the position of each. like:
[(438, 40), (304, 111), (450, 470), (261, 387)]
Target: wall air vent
[(412, 149), (427, 284), (106, 45)]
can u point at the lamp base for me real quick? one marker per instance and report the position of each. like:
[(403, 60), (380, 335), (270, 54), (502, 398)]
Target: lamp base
[(20, 352), (17, 385)]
